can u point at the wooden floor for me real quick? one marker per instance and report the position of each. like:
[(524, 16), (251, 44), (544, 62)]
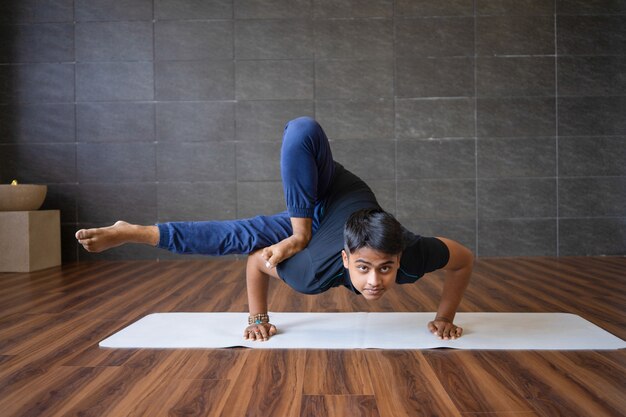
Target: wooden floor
[(51, 322)]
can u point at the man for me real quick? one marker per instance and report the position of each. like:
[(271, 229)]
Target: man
[(333, 233)]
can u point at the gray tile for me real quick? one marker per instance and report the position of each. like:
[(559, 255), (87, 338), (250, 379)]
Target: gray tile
[(274, 79), (272, 9), (437, 199), (104, 10), (36, 11), (580, 116), (462, 231), (193, 9), (333, 9), (434, 8), (517, 237), (265, 120), (195, 80), (114, 41), (385, 192), (259, 198), (197, 201), (196, 161), (592, 76), (37, 83), (435, 77), (516, 157), (195, 121), (368, 159), (518, 76), (581, 7), (42, 42), (437, 159), (115, 122), (592, 156), (62, 197), (442, 118), (592, 237), (514, 7), (520, 116), (592, 197), (101, 81), (517, 198), (115, 162), (354, 39), (193, 40), (436, 37), (38, 164), (354, 79), (274, 39), (591, 35), (356, 119), (107, 203), (258, 161), (43, 123), (515, 35)]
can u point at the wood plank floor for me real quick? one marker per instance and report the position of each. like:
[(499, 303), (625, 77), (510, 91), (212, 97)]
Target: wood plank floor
[(51, 322)]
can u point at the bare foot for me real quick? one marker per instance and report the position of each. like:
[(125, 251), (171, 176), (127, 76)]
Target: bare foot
[(103, 238), (286, 248)]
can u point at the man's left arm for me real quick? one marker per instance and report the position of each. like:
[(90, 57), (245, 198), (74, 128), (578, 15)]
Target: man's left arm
[(457, 271)]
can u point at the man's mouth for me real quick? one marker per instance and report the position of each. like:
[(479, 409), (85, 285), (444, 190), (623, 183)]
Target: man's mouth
[(373, 291)]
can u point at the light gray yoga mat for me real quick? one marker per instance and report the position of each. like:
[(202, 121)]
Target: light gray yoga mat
[(510, 331)]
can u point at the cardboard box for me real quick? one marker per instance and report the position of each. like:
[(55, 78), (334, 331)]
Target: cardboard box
[(29, 240)]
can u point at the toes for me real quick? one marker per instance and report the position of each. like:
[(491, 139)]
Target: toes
[(87, 244), (84, 234)]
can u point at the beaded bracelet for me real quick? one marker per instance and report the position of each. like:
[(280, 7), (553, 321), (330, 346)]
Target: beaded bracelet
[(258, 319)]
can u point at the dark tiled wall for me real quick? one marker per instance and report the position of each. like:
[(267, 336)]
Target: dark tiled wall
[(498, 123)]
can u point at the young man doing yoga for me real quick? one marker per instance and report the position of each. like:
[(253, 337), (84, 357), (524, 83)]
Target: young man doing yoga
[(333, 233)]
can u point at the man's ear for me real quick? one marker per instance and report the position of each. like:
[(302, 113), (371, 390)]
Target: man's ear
[(344, 256)]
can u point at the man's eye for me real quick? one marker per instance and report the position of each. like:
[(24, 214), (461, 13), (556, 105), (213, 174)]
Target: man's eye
[(362, 268), (384, 269)]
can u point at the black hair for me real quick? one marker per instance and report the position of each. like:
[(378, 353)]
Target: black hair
[(373, 228)]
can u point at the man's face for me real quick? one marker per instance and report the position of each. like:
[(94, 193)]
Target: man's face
[(371, 272)]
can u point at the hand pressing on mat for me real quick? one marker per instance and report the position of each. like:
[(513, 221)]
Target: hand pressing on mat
[(457, 273), (444, 329), (259, 332)]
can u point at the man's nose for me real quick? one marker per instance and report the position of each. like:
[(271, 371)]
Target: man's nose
[(374, 280)]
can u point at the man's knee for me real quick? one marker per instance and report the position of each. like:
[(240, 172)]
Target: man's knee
[(301, 129)]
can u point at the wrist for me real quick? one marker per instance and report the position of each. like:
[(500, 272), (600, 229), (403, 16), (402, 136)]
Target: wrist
[(443, 318), (259, 318)]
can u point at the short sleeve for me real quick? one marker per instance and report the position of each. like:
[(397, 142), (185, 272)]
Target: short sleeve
[(424, 255)]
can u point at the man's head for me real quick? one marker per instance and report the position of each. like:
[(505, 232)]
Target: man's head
[(372, 250)]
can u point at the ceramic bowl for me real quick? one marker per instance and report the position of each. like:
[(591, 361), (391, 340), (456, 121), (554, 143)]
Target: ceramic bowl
[(22, 197)]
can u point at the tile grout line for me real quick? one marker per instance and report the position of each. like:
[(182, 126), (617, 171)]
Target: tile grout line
[(395, 116), (154, 117), (476, 237), (235, 144), (76, 179), (556, 126)]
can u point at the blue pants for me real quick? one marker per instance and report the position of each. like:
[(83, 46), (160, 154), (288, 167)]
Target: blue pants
[(307, 170)]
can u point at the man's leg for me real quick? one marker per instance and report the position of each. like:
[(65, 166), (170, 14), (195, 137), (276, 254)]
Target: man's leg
[(307, 170), (206, 238)]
